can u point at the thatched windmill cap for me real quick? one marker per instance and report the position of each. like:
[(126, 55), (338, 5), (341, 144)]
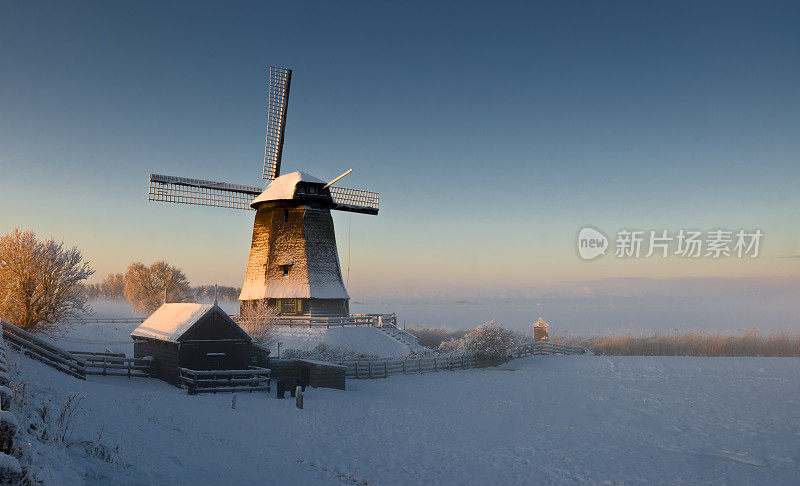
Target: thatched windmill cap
[(284, 187), (541, 323)]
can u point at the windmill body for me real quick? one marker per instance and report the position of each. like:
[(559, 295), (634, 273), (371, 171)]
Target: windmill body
[(294, 263)]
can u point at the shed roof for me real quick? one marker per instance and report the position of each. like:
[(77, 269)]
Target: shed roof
[(171, 321), (284, 187)]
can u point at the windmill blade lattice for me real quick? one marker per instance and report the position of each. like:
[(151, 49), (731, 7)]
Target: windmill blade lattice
[(279, 81), (182, 190), (355, 200)]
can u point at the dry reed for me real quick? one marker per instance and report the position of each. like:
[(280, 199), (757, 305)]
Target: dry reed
[(690, 343)]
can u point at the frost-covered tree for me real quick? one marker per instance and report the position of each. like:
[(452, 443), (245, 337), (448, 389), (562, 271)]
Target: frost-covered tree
[(41, 282), (113, 287), (257, 320), (144, 286), (486, 341)]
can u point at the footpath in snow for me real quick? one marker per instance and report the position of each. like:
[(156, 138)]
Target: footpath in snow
[(542, 419)]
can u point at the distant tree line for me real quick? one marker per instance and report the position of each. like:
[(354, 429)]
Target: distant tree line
[(147, 287)]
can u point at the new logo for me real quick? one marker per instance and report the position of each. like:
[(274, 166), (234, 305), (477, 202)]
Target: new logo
[(591, 243)]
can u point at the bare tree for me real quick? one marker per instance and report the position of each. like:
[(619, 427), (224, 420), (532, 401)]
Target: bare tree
[(41, 282), (257, 319), (113, 287), (145, 286)]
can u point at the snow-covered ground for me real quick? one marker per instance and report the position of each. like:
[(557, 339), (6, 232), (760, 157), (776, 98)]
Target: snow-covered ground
[(542, 419), (361, 340)]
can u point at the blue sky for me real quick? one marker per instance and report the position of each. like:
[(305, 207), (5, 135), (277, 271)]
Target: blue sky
[(493, 131)]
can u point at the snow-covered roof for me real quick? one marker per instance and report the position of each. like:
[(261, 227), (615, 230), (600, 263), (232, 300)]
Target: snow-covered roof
[(283, 187), (171, 321)]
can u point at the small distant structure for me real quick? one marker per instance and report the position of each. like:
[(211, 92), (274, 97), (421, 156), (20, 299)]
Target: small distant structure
[(193, 336), (540, 330)]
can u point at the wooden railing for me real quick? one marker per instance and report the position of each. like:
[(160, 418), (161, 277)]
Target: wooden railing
[(543, 347), (383, 368), (219, 381), (44, 351), (116, 364), (110, 320)]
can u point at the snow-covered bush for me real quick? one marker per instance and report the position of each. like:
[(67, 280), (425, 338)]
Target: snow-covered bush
[(486, 341), (41, 282), (257, 320), (450, 346)]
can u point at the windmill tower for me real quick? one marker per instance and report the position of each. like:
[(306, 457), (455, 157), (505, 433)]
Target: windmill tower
[(294, 263)]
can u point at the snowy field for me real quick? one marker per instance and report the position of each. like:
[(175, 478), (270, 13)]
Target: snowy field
[(542, 419), (361, 339)]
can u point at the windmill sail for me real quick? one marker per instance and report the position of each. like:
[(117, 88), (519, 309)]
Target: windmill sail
[(355, 200), (182, 190), (279, 81)]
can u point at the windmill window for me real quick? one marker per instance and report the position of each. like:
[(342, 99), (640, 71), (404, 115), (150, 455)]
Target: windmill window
[(285, 270), (285, 215)]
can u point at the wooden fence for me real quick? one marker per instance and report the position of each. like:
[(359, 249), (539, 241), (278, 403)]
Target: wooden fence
[(41, 350), (218, 381), (383, 368), (116, 364), (76, 363), (543, 347)]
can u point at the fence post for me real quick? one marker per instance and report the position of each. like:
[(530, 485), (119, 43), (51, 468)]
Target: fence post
[(404, 366), (435, 368), (357, 363), (369, 369), (104, 366), (419, 363), (386, 368)]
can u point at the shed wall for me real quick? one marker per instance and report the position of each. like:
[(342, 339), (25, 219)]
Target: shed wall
[(165, 366)]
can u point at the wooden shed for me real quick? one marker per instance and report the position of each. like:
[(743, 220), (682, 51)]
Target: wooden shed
[(193, 336)]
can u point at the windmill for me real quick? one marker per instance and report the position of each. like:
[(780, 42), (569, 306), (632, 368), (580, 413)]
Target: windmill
[(294, 263)]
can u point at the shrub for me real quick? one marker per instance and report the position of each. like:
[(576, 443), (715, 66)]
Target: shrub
[(257, 319), (488, 341)]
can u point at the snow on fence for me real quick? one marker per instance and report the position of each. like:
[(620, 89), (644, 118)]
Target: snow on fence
[(41, 350), (110, 320), (116, 364), (217, 381), (543, 347), (383, 368)]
